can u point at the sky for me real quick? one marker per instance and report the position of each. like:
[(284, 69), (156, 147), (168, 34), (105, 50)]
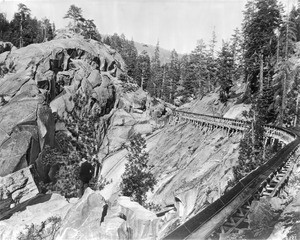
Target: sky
[(176, 24)]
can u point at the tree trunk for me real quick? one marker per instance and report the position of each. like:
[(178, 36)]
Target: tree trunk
[(297, 111), (277, 51), (253, 137), (142, 83), (163, 84), (261, 74), (284, 79), (21, 32)]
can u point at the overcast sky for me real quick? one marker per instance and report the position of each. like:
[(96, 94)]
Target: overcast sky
[(175, 23)]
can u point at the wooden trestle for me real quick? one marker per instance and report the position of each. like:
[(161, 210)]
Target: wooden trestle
[(230, 210)]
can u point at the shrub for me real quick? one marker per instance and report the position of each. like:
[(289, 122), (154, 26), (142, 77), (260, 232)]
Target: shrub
[(46, 230), (99, 184), (153, 207), (123, 77), (82, 124), (67, 181)]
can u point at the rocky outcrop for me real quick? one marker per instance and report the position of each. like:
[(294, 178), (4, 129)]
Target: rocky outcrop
[(39, 81), (83, 220), (56, 206), (193, 166), (42, 74), (140, 223), (136, 112), (288, 224), (262, 217), (87, 218), (6, 46), (94, 218), (16, 188)]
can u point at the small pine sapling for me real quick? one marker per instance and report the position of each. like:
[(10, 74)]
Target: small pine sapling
[(137, 179)]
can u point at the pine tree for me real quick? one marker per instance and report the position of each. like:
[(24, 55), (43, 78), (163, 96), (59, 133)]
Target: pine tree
[(24, 30), (129, 55), (291, 113), (137, 179), (251, 150), (4, 28), (19, 24), (225, 71), (190, 82), (262, 18), (237, 52), (132, 58), (186, 84), (47, 27), (81, 25), (116, 43), (211, 63), (155, 84), (294, 17), (166, 83), (174, 74), (198, 69), (287, 40), (142, 70), (74, 13)]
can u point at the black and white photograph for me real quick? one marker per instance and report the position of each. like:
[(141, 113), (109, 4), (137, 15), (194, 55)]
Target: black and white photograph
[(149, 119)]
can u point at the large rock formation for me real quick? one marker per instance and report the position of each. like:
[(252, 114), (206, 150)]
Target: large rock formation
[(50, 74), (16, 188), (94, 218), (87, 218), (40, 74), (39, 84), (56, 206)]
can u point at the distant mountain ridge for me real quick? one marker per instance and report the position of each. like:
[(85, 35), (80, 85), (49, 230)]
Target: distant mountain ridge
[(165, 55)]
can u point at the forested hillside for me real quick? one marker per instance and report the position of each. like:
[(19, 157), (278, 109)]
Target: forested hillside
[(165, 55)]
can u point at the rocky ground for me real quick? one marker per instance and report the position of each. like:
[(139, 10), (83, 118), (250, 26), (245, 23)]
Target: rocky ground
[(287, 227), (90, 217)]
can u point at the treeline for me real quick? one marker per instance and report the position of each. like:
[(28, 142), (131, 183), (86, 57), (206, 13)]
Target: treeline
[(24, 29), (272, 74), (187, 77)]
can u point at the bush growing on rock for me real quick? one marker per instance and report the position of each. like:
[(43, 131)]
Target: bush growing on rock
[(67, 161), (46, 230), (137, 179), (82, 144)]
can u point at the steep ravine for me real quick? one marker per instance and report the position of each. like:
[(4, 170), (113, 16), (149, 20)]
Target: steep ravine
[(193, 167)]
